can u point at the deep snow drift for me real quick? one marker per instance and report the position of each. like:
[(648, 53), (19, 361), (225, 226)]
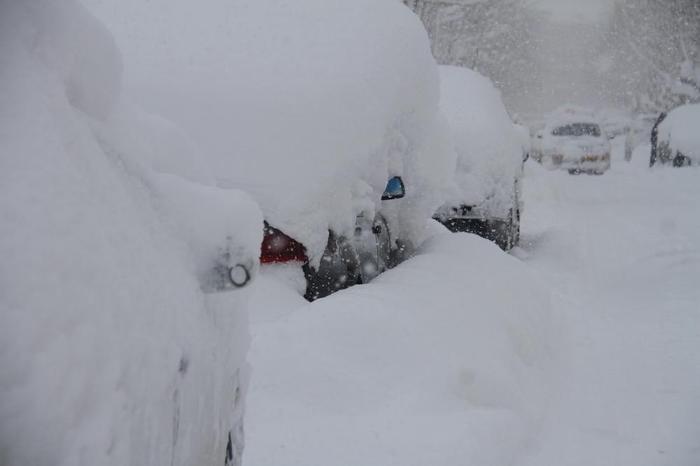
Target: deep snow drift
[(621, 253), (434, 362), (310, 106), (110, 354)]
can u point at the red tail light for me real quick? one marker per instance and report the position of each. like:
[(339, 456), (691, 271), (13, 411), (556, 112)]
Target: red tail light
[(278, 247)]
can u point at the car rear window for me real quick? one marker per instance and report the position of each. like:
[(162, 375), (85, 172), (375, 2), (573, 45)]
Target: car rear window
[(577, 129)]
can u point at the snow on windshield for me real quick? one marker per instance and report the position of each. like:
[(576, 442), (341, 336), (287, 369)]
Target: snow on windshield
[(577, 130)]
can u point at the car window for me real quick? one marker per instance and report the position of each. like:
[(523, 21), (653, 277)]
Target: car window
[(577, 129)]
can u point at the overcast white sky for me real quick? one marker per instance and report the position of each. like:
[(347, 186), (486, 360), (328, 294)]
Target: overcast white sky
[(584, 10)]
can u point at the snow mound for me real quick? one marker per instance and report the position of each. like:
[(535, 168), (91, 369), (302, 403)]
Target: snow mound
[(310, 106), (110, 354), (680, 129), (489, 147), (432, 360)]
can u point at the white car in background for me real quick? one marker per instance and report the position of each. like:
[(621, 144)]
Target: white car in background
[(491, 149), (573, 142)]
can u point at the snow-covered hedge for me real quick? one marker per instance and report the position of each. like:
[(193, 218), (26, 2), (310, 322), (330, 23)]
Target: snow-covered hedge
[(489, 147), (110, 353), (309, 105), (680, 130)]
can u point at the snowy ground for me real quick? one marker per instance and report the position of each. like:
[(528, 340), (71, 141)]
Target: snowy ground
[(580, 348), (623, 251)]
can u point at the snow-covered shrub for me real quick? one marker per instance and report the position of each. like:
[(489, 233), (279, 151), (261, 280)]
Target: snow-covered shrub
[(110, 353), (311, 105), (680, 132)]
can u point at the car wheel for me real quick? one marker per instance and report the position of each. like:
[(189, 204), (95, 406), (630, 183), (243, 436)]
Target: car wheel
[(339, 268)]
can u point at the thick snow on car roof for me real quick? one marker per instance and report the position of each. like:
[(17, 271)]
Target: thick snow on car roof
[(311, 105), (488, 145), (680, 129)]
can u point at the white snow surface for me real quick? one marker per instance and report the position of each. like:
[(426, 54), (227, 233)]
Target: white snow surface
[(681, 129), (580, 348), (451, 351), (110, 354), (489, 146), (309, 105), (621, 252)]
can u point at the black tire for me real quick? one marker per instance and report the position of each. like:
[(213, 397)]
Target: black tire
[(339, 269), (501, 233)]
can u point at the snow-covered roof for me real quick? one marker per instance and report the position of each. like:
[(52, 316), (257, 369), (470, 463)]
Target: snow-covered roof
[(681, 129)]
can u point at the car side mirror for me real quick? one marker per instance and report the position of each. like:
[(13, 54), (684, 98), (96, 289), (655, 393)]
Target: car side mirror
[(395, 189)]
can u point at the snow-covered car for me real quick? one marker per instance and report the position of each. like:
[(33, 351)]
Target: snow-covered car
[(677, 139), (346, 260), (490, 150), (573, 142), (310, 107), (124, 328)]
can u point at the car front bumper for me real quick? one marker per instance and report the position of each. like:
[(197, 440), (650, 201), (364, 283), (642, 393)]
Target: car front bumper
[(587, 163)]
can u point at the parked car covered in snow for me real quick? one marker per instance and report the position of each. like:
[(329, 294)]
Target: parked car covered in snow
[(346, 260), (490, 153), (313, 128), (124, 268), (573, 141), (677, 137)]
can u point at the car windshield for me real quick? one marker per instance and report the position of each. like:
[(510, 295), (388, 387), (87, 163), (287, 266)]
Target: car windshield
[(577, 129)]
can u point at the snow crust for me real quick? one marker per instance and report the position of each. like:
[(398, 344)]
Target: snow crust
[(681, 130), (489, 147), (428, 364), (310, 106), (110, 354)]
